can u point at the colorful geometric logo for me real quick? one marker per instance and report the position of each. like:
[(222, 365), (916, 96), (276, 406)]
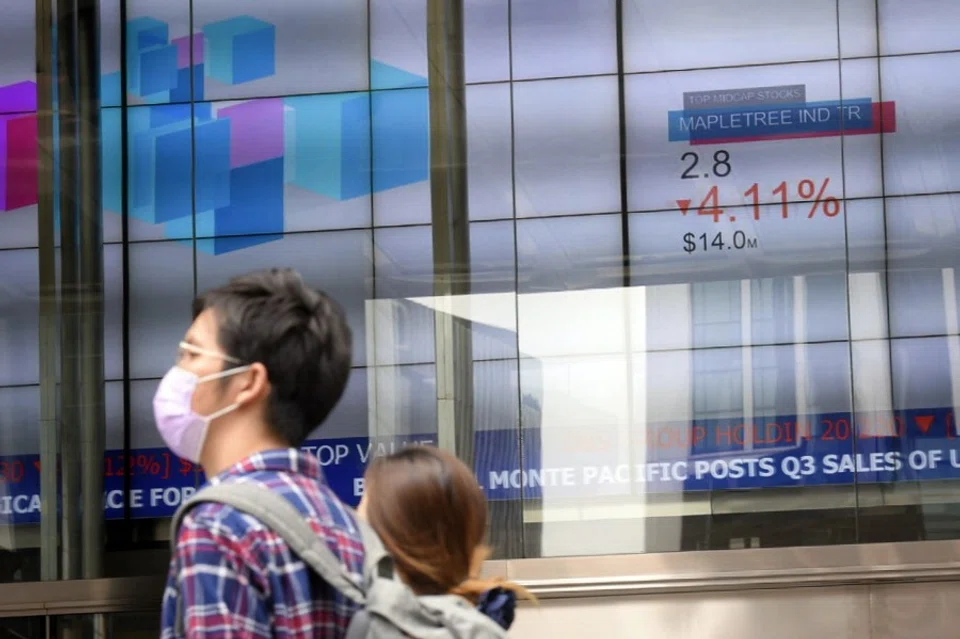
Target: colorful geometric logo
[(338, 146), (730, 116), (231, 162)]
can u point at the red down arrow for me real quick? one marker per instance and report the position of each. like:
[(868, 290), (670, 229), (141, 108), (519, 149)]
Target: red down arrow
[(924, 422)]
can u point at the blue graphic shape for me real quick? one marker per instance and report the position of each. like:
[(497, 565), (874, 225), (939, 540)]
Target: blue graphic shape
[(161, 116), (161, 97), (147, 32), (173, 178), (327, 140), (181, 92), (385, 76), (212, 180), (401, 137), (142, 153), (830, 116), (212, 165), (111, 145), (161, 164), (142, 33), (255, 212), (110, 91), (158, 69), (240, 49)]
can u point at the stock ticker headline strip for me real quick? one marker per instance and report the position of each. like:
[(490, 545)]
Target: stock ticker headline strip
[(721, 454), (731, 125)]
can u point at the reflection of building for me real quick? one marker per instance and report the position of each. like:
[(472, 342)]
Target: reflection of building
[(506, 420)]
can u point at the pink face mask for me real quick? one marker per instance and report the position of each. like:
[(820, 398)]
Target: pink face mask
[(183, 430)]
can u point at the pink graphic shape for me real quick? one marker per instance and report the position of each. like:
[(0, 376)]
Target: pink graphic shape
[(183, 50), (256, 131), (18, 161)]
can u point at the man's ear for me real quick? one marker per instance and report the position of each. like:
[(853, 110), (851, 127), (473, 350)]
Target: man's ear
[(255, 385)]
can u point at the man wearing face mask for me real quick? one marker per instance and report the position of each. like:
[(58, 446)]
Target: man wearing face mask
[(264, 362)]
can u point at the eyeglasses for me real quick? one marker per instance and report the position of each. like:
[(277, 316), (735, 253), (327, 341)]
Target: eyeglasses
[(187, 348)]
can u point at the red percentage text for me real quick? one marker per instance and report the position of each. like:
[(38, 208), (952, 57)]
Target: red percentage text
[(806, 191)]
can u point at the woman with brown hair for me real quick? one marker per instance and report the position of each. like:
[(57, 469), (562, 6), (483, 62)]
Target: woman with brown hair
[(430, 513)]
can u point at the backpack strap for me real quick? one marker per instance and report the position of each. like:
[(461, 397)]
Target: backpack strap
[(280, 516)]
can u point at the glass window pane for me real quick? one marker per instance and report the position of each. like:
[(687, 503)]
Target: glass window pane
[(161, 295), (585, 110), (486, 47), (325, 144), (570, 268), (400, 162), (349, 418), (738, 292), (403, 313), (110, 54), (18, 71), (160, 170), (922, 233), (337, 262), (744, 131), (658, 34), (19, 151), (918, 28), (19, 310), (251, 49), (113, 303), (490, 148), (563, 38), (858, 28), (158, 54), (398, 41), (111, 166), (924, 155)]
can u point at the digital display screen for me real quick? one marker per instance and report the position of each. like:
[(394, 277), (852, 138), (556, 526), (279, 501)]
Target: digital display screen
[(711, 256)]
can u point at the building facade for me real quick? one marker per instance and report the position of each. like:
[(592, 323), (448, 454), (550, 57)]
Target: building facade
[(674, 277)]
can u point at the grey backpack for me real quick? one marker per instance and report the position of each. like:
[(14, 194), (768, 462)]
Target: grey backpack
[(388, 608)]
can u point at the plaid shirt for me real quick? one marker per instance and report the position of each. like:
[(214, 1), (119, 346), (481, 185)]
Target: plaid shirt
[(239, 580)]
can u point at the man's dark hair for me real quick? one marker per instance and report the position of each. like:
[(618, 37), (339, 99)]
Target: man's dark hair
[(299, 334)]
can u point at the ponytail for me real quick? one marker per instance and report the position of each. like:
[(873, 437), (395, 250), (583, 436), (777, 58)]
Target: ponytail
[(473, 588), (494, 598)]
